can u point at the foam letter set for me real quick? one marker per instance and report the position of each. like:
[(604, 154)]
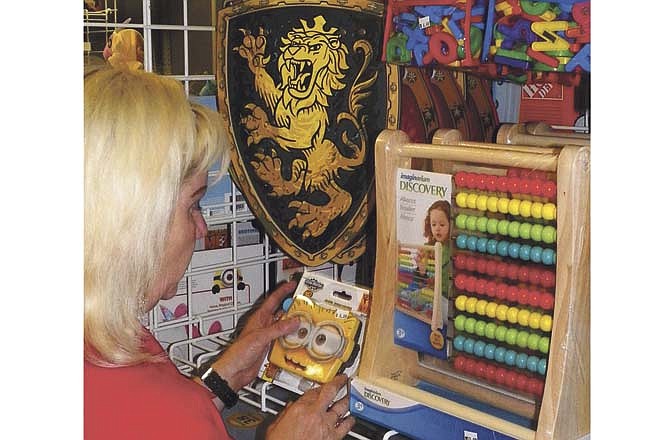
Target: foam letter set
[(519, 40)]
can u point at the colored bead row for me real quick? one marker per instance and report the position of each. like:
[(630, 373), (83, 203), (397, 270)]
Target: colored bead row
[(500, 354), (492, 267), (505, 292), (513, 184), (524, 208), (504, 248), (514, 229), (511, 336), (503, 312), (499, 375)]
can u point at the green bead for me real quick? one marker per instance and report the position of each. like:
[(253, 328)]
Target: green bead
[(471, 223), (524, 231), (481, 224), (522, 339), (543, 344), (503, 227), (460, 221), (470, 325), (510, 336), (513, 229), (549, 234), (459, 323), (492, 226), (480, 328), (536, 232), (490, 330), (533, 341), (501, 331)]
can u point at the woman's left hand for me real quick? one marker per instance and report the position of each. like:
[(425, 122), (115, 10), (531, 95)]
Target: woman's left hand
[(241, 361)]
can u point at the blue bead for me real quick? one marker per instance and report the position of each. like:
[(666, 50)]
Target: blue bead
[(548, 257), (462, 241), (542, 366), (536, 254), (492, 247), (479, 348), (500, 354), (531, 363), (481, 244), (521, 360), (513, 250), (503, 247), (490, 351), (472, 242), (524, 252), (469, 345), (510, 357), (458, 342)]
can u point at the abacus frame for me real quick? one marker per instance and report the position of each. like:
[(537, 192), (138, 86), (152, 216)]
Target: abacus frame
[(564, 410)]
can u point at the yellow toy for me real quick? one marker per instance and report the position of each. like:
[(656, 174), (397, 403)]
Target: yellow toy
[(323, 343)]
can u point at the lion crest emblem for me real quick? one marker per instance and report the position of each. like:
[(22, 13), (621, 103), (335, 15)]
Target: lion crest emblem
[(303, 127)]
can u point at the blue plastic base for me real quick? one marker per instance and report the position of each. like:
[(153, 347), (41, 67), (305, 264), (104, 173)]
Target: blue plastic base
[(412, 333)]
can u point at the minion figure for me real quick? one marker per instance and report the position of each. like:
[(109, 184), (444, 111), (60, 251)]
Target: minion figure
[(321, 346)]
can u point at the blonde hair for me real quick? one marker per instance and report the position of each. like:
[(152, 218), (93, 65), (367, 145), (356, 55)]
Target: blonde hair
[(142, 140)]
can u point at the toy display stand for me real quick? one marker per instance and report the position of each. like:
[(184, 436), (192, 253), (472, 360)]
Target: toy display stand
[(539, 134), (427, 398)]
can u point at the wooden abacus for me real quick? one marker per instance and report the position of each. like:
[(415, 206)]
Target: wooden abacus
[(552, 293)]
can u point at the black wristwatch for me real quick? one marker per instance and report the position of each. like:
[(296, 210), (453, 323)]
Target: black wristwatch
[(220, 387)]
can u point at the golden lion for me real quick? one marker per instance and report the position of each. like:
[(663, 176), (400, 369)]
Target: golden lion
[(312, 65)]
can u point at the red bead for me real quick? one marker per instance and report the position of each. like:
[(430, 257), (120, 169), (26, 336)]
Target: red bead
[(547, 301), (533, 298), (536, 186), (471, 263), (536, 387), (513, 184), (524, 186), (491, 372), (461, 178), (459, 363), (491, 289), (481, 181), (491, 182), (470, 366), (513, 293), (534, 275), (459, 261), (491, 267), (523, 296), (523, 274), (481, 265), (549, 189), (460, 281), (500, 375), (521, 382), (470, 284), (480, 369), (548, 279), (512, 271), (503, 184), (510, 379), (480, 286), (503, 269), (524, 173), (501, 291), (471, 180), (530, 385)]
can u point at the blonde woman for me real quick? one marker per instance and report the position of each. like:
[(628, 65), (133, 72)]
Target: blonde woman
[(147, 152)]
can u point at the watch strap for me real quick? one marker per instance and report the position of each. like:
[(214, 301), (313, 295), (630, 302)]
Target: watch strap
[(219, 387)]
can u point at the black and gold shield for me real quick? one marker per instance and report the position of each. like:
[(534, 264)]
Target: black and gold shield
[(303, 90)]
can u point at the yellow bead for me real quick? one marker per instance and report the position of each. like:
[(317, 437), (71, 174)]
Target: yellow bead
[(534, 320), (492, 204), (461, 200), (501, 312), (545, 323), (549, 211), (460, 302), (524, 208), (503, 205), (472, 201), (481, 202), (480, 308), (512, 315), (522, 317), (491, 309), (536, 210), (514, 206), (471, 305)]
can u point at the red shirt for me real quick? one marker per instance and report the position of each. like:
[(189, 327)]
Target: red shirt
[(147, 401)]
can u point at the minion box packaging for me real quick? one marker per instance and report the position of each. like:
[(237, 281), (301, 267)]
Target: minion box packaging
[(423, 261), (330, 337)]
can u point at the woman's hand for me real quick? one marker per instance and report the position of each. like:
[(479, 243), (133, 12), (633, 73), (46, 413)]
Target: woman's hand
[(240, 363), (314, 415)]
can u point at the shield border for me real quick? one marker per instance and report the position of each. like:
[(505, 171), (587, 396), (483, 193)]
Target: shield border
[(348, 245)]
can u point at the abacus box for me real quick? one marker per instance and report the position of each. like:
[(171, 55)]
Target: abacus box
[(520, 295)]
